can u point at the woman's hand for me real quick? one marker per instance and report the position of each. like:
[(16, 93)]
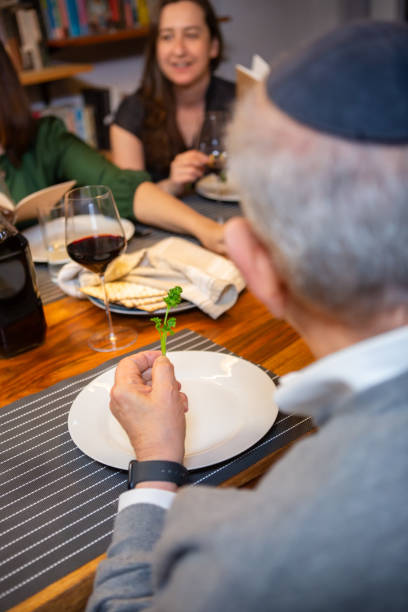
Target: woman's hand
[(187, 167), (147, 401), (211, 235)]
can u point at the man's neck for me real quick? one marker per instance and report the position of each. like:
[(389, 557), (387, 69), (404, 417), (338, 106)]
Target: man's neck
[(324, 334)]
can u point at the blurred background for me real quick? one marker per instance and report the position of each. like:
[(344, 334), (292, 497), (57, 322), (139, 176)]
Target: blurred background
[(101, 44), (266, 27)]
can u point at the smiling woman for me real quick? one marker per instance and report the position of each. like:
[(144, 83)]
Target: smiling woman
[(157, 127)]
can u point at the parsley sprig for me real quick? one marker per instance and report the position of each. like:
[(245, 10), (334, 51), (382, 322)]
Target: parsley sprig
[(166, 327)]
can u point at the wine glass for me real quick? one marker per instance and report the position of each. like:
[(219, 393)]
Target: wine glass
[(94, 236), (212, 143)]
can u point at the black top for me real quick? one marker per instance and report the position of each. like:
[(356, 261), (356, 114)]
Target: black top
[(131, 112)]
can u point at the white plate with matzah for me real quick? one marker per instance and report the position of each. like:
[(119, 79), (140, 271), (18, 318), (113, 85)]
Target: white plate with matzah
[(231, 406), (118, 309), (213, 188)]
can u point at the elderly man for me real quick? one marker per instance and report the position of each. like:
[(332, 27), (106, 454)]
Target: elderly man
[(322, 159)]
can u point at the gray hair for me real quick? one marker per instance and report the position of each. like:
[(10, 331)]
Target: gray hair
[(333, 213)]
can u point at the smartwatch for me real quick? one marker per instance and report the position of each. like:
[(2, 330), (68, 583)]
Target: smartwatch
[(165, 471)]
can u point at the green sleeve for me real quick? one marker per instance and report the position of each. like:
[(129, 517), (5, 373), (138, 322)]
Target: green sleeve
[(68, 157)]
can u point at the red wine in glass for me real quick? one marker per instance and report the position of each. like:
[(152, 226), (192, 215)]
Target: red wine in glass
[(96, 252), (94, 236)]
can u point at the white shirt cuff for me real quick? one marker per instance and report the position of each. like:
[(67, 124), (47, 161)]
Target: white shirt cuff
[(158, 497)]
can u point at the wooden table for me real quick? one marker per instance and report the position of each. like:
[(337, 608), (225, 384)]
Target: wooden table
[(246, 329)]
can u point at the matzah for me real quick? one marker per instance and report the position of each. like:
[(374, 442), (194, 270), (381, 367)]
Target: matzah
[(118, 291), (123, 264), (147, 306)]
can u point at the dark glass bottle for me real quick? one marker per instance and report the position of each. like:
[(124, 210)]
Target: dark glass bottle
[(22, 321)]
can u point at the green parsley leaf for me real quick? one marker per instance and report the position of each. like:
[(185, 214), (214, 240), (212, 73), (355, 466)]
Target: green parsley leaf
[(166, 326)]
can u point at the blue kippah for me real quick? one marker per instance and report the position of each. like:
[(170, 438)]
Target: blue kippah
[(351, 83)]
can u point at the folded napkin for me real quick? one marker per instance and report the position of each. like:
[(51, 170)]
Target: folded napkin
[(209, 281)]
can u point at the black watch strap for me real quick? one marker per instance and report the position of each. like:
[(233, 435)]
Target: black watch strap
[(166, 471)]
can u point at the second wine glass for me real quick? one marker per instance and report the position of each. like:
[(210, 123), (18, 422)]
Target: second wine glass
[(212, 140), (212, 143), (94, 236)]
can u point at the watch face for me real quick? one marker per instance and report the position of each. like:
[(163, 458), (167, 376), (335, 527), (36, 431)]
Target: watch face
[(164, 471)]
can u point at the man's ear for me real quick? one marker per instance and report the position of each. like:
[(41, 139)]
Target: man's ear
[(255, 263)]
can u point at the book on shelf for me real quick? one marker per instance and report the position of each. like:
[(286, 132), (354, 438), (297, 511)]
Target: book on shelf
[(22, 33), (78, 118), (9, 34), (99, 99), (248, 77), (73, 18), (52, 19), (31, 39), (99, 15), (90, 128), (63, 12), (82, 17), (27, 208), (143, 12)]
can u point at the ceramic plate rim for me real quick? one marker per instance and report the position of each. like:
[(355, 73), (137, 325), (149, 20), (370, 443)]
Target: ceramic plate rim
[(201, 190), (136, 312), (41, 257), (95, 417)]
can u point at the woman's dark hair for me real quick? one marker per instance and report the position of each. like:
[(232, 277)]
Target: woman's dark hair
[(17, 126), (161, 137)]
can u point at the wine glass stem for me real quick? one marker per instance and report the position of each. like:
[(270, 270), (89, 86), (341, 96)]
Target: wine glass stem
[(112, 336)]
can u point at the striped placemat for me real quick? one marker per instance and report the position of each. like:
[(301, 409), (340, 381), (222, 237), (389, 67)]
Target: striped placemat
[(56, 504), (49, 291)]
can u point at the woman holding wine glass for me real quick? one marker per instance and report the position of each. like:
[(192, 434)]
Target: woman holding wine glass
[(94, 236), (38, 153), (157, 127)]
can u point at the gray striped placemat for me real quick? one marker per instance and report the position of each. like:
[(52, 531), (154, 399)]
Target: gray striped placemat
[(49, 291), (56, 504)]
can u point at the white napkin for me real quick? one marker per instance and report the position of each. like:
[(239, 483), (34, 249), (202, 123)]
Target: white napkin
[(209, 281)]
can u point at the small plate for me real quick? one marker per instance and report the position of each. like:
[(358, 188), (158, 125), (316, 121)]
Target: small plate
[(119, 309), (213, 188), (231, 406), (38, 250)]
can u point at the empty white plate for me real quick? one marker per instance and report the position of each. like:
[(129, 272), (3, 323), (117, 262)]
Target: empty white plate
[(231, 406)]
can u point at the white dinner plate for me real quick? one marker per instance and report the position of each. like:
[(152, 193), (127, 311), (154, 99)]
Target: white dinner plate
[(211, 186), (231, 406), (38, 250), (137, 312)]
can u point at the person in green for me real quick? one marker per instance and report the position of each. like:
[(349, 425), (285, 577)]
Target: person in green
[(38, 153)]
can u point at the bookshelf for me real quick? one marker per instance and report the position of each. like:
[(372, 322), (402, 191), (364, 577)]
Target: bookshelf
[(52, 73), (96, 39), (106, 37)]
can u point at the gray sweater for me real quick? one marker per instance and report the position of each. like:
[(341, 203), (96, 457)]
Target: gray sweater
[(326, 530)]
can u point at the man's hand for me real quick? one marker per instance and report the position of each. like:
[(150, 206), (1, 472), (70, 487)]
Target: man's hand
[(147, 401)]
